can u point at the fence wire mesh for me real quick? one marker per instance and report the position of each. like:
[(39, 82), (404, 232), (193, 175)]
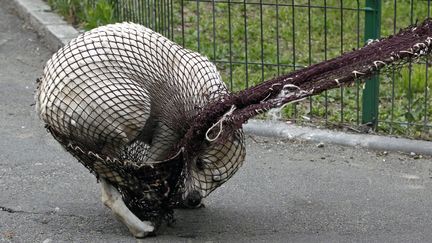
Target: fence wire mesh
[(255, 40)]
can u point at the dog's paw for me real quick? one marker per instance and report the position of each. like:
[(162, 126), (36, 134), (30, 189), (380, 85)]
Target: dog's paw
[(142, 229)]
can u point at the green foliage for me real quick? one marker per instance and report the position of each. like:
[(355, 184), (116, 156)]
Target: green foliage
[(85, 13), (71, 10), (101, 14)]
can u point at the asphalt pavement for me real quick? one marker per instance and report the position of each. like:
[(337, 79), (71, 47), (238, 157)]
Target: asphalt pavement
[(287, 191)]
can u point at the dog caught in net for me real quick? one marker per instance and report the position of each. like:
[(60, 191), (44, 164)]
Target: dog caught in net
[(119, 98), (156, 124)]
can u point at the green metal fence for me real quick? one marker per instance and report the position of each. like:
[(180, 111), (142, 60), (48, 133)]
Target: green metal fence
[(156, 14), (371, 91), (254, 40)]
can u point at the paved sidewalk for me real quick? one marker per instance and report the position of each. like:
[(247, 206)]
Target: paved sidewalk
[(286, 192)]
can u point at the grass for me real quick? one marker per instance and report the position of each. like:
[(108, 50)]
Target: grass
[(280, 39), (85, 14)]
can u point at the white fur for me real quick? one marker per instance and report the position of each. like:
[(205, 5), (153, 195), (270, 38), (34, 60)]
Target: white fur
[(113, 200)]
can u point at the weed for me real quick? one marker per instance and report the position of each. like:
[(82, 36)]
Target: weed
[(101, 14)]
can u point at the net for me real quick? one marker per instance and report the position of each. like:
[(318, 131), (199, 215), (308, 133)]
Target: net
[(119, 98), (390, 53)]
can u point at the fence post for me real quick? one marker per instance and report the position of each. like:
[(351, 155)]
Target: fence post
[(371, 91)]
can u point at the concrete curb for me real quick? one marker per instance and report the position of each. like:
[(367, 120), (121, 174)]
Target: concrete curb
[(52, 28), (283, 130), (56, 32)]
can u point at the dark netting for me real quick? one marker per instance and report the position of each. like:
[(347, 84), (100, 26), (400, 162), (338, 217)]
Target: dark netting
[(388, 53), (120, 97)]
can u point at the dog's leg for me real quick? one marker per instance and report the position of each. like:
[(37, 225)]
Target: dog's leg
[(112, 199)]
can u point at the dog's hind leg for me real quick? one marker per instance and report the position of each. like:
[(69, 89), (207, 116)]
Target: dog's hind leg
[(113, 199)]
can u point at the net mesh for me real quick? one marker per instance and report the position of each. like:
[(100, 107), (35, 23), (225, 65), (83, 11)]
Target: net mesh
[(120, 97), (390, 53)]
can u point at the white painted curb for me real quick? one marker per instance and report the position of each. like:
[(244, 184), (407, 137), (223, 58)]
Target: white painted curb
[(283, 130)]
